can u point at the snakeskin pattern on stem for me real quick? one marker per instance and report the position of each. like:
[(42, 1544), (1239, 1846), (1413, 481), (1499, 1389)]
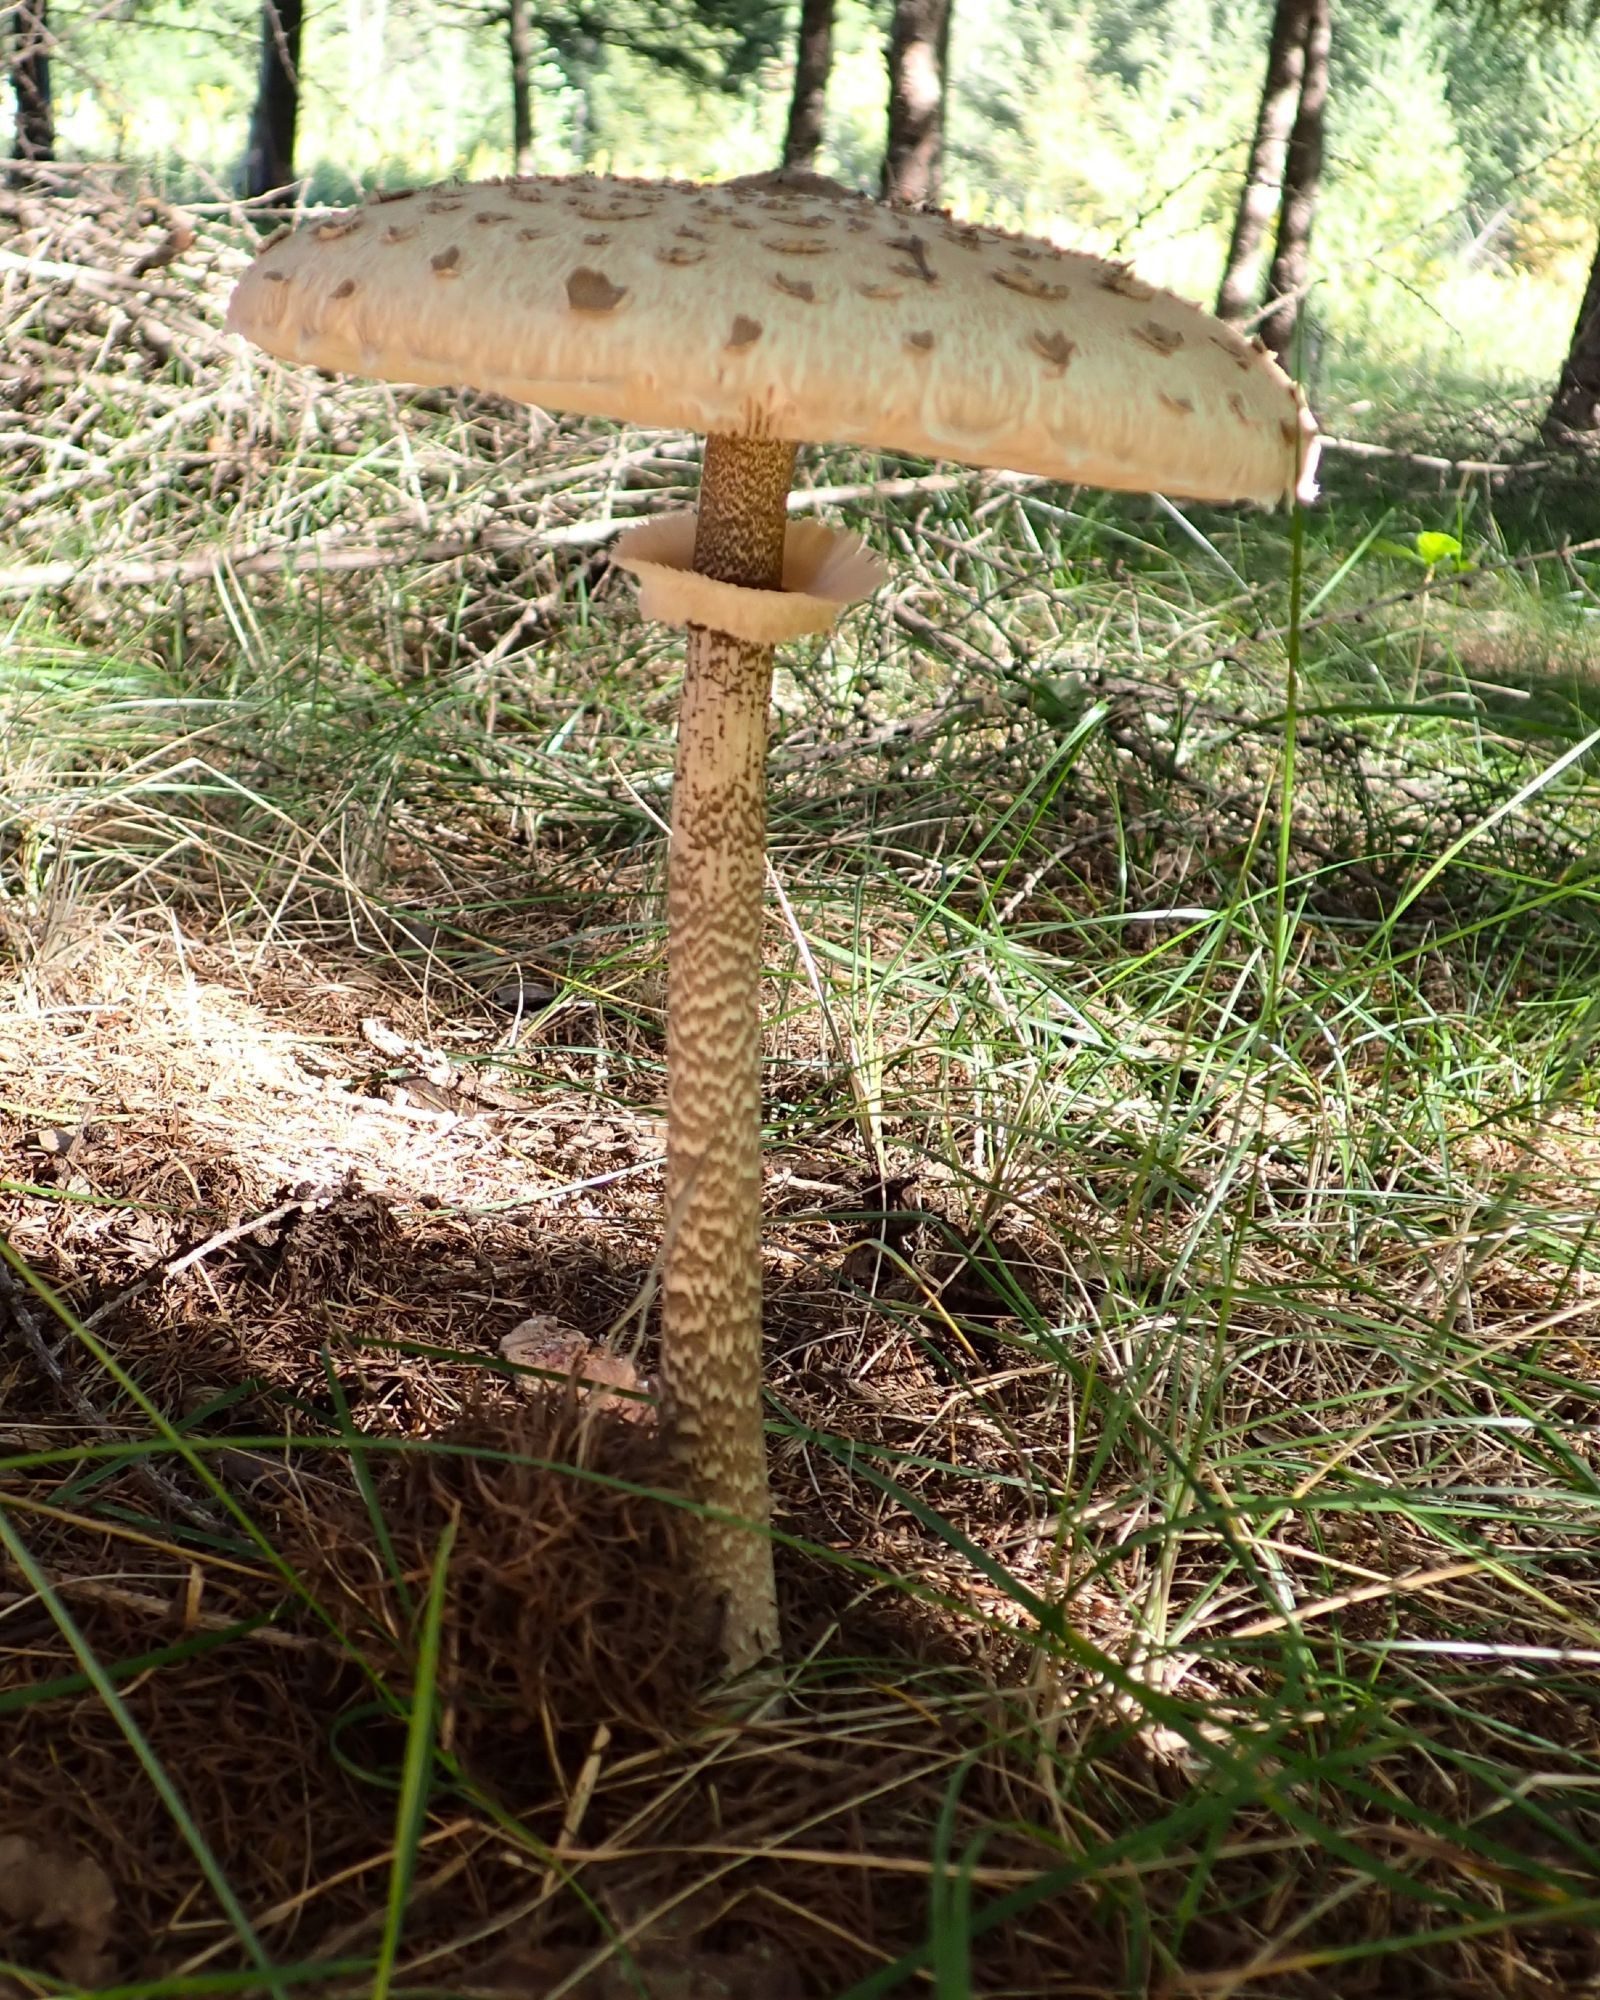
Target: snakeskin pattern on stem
[(711, 1284)]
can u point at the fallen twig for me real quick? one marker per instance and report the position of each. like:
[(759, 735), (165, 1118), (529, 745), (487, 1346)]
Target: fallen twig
[(1496, 468), (31, 1334), (169, 1267), (804, 498), (154, 1611), (314, 554)]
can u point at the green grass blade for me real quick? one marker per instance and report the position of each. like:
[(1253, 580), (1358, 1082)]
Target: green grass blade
[(417, 1770)]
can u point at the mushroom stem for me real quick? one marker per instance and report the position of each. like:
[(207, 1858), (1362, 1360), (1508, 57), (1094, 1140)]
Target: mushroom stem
[(744, 512), (711, 1280)]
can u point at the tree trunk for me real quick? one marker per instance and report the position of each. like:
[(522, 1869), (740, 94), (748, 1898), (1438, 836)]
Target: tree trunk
[(812, 62), (1576, 403), (269, 161), (919, 43), (1302, 176), (30, 80), (1263, 181), (519, 38)]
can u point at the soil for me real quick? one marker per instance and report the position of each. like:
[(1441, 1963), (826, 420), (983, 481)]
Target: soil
[(315, 1272)]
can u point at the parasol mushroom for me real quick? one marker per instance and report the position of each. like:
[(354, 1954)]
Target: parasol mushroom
[(764, 314)]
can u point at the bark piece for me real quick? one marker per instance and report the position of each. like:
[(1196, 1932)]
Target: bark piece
[(65, 1901), (547, 1344)]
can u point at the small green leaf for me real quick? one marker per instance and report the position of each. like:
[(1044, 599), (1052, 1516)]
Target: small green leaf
[(1435, 548)]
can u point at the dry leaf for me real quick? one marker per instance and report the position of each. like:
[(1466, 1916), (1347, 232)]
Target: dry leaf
[(546, 1343)]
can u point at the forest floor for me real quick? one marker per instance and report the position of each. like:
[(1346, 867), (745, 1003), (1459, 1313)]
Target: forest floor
[(1183, 1289)]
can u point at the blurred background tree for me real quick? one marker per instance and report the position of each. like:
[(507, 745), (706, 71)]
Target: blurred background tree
[(1290, 276), (269, 153), (28, 62), (1283, 176), (919, 65), (813, 59), (1575, 406), (1262, 193)]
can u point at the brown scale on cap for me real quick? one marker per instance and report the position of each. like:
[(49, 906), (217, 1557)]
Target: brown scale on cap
[(1055, 348), (918, 267), (593, 292), (1119, 279), (1030, 287), (1163, 340)]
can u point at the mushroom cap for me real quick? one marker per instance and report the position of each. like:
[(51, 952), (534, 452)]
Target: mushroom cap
[(778, 311)]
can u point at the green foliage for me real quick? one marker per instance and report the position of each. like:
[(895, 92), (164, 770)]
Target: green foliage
[(714, 44), (401, 89), (1389, 216), (1429, 549), (1107, 120), (1523, 96)]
